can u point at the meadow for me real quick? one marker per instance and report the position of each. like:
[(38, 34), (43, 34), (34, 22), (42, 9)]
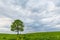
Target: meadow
[(32, 36)]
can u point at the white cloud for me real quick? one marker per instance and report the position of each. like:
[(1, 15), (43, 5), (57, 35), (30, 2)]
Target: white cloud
[(28, 20), (4, 21), (58, 26), (51, 21), (51, 6), (6, 30)]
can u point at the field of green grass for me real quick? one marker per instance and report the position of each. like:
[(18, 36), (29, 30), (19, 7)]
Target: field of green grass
[(32, 36)]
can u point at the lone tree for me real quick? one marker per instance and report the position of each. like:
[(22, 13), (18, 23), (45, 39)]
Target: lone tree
[(17, 26)]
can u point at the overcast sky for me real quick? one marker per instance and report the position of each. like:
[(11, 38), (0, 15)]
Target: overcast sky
[(37, 15)]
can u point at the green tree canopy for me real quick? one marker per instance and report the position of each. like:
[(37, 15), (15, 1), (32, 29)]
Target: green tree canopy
[(17, 26)]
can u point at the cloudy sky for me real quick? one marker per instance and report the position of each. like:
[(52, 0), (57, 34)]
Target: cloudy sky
[(37, 15)]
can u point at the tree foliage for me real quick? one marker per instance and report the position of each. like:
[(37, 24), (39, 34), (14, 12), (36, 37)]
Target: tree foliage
[(17, 26)]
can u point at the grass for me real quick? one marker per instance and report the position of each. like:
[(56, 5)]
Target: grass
[(32, 36)]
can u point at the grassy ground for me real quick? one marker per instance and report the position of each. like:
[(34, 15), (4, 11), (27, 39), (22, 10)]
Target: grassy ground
[(33, 36)]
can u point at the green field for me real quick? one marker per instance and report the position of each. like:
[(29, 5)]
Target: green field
[(33, 36)]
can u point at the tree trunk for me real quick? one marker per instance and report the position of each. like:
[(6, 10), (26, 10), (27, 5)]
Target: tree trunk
[(17, 32), (17, 35), (20, 35)]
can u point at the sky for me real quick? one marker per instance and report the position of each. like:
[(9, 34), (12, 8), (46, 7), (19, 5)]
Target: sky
[(37, 15)]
